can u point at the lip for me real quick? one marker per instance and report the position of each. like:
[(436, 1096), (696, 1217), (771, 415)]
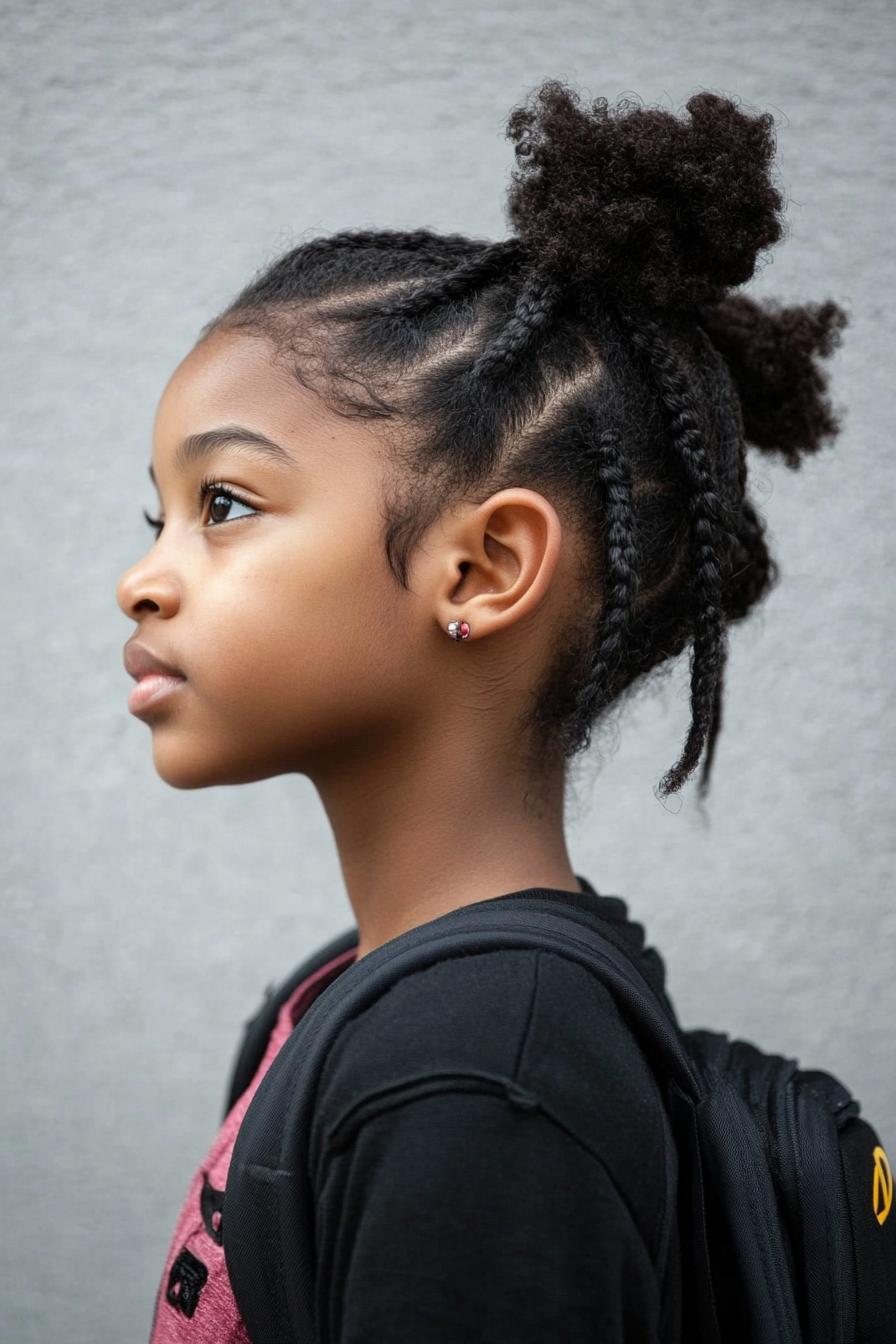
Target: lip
[(152, 688), (155, 678), (142, 662)]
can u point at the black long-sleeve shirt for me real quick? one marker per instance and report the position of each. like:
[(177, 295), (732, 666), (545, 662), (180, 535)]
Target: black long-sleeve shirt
[(492, 1160)]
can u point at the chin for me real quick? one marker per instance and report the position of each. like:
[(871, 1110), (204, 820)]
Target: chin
[(185, 769)]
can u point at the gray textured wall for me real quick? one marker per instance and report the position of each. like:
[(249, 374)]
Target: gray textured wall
[(154, 157)]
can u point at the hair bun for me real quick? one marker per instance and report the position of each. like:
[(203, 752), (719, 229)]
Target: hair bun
[(637, 204)]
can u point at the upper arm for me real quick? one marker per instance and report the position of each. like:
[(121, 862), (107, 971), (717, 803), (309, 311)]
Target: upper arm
[(457, 1216)]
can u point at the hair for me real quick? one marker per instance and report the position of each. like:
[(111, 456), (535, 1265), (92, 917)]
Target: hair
[(596, 355)]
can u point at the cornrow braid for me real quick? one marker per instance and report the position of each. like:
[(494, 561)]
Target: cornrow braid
[(711, 545), (447, 246), (277, 283), (535, 306), (495, 260)]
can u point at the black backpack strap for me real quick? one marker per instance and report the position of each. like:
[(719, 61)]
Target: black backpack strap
[(257, 1029), (752, 1266), (268, 1212)]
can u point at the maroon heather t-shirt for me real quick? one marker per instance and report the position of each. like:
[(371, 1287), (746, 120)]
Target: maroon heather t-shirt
[(195, 1301)]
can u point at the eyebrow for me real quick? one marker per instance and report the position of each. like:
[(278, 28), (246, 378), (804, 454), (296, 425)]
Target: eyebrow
[(198, 447)]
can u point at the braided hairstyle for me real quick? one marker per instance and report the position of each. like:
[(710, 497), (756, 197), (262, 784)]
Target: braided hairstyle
[(596, 355)]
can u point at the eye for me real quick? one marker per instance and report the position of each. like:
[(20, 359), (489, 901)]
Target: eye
[(215, 491)]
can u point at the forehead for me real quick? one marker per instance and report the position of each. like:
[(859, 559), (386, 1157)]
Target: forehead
[(231, 377)]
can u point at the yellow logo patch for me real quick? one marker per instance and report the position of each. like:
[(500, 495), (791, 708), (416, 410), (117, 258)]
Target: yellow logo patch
[(882, 1190)]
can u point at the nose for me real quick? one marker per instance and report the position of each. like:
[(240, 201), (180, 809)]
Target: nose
[(146, 586)]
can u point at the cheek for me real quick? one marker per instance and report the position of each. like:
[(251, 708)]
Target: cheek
[(288, 631)]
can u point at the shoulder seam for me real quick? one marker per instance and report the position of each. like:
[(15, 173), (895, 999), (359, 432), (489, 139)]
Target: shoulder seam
[(501, 1089)]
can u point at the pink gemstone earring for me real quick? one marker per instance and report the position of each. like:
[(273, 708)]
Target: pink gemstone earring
[(458, 629)]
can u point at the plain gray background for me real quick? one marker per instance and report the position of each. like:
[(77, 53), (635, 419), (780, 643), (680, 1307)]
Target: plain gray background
[(154, 158)]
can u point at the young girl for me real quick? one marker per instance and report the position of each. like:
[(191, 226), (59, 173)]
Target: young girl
[(391, 443)]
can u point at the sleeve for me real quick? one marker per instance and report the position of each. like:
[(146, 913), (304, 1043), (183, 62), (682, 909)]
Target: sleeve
[(458, 1218)]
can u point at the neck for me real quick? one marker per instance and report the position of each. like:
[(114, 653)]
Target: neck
[(422, 833)]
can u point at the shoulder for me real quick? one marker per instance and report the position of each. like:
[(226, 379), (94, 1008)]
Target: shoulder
[(520, 1028)]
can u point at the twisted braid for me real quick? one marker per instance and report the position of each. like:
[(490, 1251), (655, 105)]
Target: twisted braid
[(622, 579), (753, 569), (711, 546), (761, 571)]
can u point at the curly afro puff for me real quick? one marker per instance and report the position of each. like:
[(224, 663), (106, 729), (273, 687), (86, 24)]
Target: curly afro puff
[(596, 355), (635, 202)]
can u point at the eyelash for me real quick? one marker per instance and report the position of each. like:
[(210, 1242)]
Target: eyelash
[(208, 486)]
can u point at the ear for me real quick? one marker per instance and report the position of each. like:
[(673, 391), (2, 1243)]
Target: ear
[(494, 563)]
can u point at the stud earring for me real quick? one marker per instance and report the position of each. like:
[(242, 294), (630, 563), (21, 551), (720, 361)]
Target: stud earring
[(458, 629)]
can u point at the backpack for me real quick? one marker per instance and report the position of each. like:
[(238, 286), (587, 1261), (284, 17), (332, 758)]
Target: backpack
[(785, 1195)]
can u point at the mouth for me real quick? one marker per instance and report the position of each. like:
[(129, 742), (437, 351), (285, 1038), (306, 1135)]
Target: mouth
[(152, 689), (156, 679)]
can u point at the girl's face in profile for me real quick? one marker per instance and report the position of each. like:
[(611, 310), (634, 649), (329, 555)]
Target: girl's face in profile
[(276, 605)]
